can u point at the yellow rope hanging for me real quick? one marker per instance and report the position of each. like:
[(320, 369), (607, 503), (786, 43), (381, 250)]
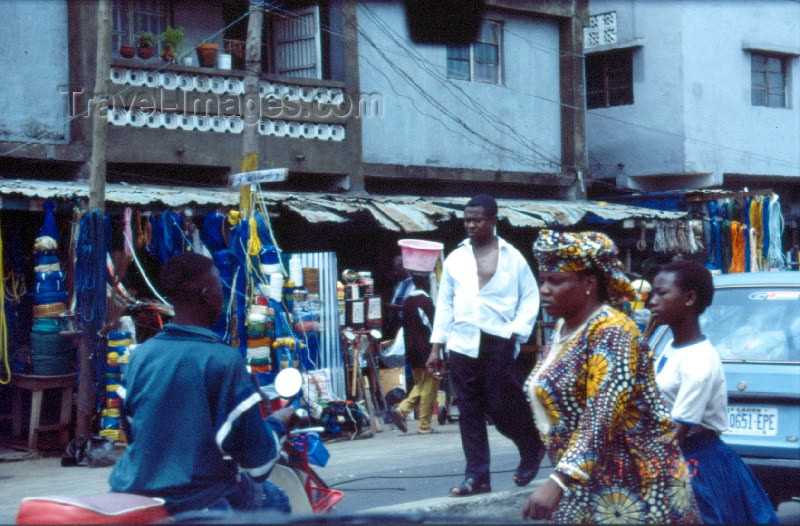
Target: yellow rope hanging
[(253, 242), (4, 358), (756, 219), (738, 246), (15, 288)]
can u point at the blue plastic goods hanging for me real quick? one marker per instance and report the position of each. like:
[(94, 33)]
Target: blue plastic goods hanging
[(49, 228), (212, 234), (714, 260), (91, 277)]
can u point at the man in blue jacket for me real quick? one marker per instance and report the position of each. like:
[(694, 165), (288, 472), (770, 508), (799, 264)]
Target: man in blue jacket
[(190, 411)]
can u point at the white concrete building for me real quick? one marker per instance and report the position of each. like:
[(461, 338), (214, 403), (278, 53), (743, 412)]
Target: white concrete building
[(693, 93)]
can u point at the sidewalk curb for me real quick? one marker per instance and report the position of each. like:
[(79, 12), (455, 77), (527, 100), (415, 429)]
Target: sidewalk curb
[(484, 504)]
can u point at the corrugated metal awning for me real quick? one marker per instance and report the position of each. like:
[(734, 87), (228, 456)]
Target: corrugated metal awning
[(397, 213)]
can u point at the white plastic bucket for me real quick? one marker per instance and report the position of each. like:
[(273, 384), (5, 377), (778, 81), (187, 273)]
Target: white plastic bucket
[(224, 61), (420, 255)]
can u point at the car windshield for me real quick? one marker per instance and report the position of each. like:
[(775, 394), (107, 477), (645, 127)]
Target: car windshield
[(750, 323)]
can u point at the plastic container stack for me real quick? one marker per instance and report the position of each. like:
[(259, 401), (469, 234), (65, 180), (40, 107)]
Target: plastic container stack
[(116, 358), (51, 354)]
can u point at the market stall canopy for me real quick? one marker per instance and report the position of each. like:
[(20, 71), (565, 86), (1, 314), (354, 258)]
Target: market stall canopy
[(397, 213)]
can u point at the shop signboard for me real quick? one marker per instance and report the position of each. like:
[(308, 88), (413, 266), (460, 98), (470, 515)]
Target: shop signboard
[(272, 175)]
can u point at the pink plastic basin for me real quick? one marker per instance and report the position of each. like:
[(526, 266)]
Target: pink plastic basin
[(420, 255)]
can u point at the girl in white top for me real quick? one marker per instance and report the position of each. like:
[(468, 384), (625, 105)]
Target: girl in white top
[(692, 383)]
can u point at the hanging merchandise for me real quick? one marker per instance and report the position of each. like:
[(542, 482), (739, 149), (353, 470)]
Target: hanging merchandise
[(738, 242), (167, 236), (660, 241), (641, 244), (756, 223), (714, 259), (15, 359), (91, 278), (765, 236), (725, 242), (774, 231), (212, 233)]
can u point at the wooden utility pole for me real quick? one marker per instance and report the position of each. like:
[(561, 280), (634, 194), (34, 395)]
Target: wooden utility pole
[(97, 193), (97, 165), (252, 112)]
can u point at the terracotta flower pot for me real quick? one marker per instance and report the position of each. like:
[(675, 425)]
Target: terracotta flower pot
[(146, 52), (207, 55), (168, 55), (127, 51)]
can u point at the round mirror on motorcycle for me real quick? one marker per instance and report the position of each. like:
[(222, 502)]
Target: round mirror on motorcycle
[(375, 334), (349, 335), (288, 382)]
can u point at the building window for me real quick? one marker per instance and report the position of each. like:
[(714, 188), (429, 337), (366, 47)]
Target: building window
[(609, 79), (480, 61), (297, 45), (768, 80), (131, 17)]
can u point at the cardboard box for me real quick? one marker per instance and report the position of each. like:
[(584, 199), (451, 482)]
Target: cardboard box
[(391, 378)]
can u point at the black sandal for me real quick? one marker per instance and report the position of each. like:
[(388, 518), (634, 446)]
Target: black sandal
[(523, 476), (470, 486)]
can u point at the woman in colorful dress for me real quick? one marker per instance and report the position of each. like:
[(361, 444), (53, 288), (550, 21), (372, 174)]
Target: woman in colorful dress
[(690, 377), (595, 400)]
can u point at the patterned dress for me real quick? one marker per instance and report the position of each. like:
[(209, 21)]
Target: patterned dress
[(598, 410)]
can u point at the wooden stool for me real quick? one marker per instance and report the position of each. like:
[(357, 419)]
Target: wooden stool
[(37, 385)]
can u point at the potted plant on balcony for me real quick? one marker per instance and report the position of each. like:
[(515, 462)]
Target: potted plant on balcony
[(146, 43), (207, 54), (128, 50), (171, 38)]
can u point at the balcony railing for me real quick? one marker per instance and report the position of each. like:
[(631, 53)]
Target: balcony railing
[(190, 99)]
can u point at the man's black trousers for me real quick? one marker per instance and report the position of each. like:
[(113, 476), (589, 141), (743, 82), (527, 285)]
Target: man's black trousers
[(488, 385)]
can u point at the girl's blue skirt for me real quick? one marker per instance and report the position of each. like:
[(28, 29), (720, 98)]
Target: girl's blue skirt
[(725, 489)]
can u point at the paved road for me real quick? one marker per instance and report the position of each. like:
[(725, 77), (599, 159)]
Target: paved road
[(391, 468), (410, 467)]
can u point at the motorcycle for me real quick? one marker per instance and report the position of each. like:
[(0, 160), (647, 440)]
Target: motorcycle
[(306, 490)]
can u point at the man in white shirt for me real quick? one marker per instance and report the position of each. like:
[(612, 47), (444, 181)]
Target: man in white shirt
[(487, 305)]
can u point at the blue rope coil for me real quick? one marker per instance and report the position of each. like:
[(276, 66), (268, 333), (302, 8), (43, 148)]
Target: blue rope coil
[(91, 277)]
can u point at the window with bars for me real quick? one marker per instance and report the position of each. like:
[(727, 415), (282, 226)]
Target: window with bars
[(480, 61), (768, 80), (131, 17), (296, 44), (609, 79)]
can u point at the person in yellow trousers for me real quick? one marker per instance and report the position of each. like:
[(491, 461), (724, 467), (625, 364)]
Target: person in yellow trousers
[(417, 327)]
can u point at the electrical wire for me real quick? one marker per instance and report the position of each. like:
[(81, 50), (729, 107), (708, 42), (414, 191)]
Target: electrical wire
[(562, 104), (421, 91), (142, 272), (490, 118)]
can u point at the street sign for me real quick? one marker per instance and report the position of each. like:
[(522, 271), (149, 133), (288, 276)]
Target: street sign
[(273, 175)]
